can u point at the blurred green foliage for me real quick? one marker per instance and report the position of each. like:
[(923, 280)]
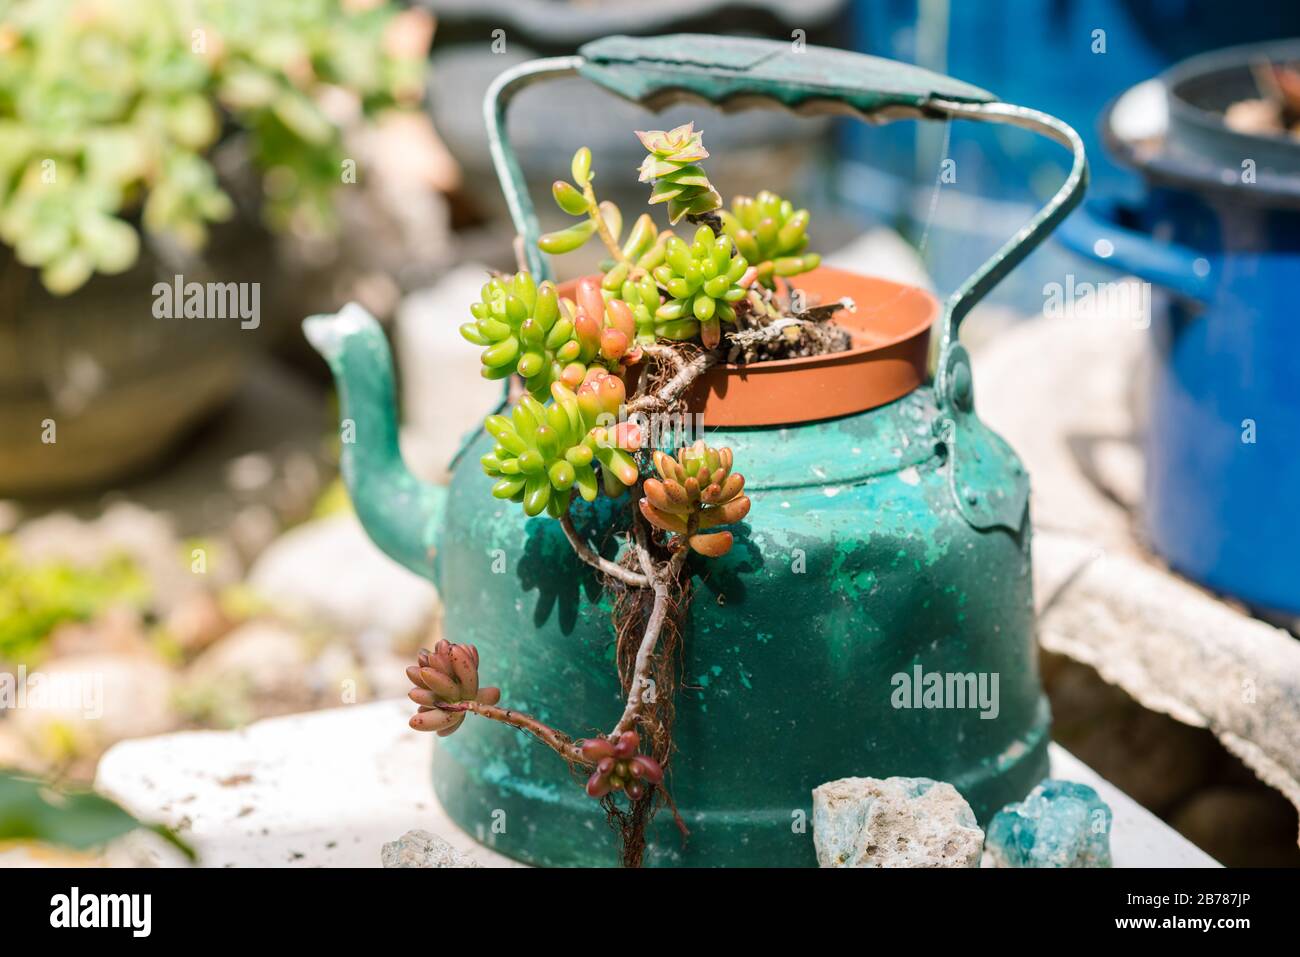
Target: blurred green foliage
[(34, 598), (109, 108), (30, 810)]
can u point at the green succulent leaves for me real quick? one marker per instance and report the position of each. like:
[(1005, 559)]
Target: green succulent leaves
[(109, 112), (546, 452), (580, 200), (771, 234), (672, 165), (522, 329), (528, 329), (703, 279)]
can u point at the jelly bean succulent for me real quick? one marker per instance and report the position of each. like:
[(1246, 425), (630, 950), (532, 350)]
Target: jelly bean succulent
[(109, 112), (579, 199), (672, 165), (703, 280), (696, 491), (446, 675), (619, 767), (527, 329), (544, 453), (583, 374), (771, 234)]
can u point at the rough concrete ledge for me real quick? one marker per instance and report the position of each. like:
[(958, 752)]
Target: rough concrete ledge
[(1175, 649)]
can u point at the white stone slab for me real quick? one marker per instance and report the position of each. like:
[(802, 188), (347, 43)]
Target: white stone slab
[(329, 788), (322, 789), (1137, 837)]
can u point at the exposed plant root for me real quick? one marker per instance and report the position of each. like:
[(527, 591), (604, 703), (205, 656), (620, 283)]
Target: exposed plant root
[(648, 625), (772, 325), (660, 396), (786, 338), (626, 575)]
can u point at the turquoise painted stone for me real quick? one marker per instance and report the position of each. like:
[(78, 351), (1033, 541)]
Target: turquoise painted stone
[(1060, 824)]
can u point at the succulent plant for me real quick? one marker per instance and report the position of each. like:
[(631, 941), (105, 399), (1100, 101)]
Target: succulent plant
[(703, 279), (544, 452), (521, 327), (630, 280), (619, 767), (528, 329), (696, 491), (770, 233), (447, 674), (580, 200), (606, 328), (108, 111), (672, 164)]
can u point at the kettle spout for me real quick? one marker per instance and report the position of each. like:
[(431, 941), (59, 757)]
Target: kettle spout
[(401, 513)]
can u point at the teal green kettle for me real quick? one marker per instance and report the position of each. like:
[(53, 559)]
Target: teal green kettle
[(875, 616)]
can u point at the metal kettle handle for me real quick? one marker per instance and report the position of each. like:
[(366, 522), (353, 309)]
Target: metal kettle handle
[(740, 73)]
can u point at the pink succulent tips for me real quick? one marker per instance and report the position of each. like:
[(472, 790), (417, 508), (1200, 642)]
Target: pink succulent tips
[(619, 767)]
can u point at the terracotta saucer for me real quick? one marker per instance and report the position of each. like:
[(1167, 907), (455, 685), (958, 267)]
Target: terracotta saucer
[(890, 331)]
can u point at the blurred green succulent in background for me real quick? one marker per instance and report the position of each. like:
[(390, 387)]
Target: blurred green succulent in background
[(35, 598), (579, 199), (33, 810), (770, 233), (109, 110)]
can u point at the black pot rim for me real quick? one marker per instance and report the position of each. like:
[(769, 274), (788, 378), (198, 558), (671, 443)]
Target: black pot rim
[(1160, 169), (1163, 167), (1177, 77)]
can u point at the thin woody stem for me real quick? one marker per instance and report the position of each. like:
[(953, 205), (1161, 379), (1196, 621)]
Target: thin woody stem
[(665, 354), (640, 674), (663, 576), (588, 555), (675, 386), (606, 237), (524, 722)]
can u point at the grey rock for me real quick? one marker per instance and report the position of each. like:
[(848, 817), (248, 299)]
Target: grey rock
[(422, 849), (81, 704), (328, 571), (260, 668), (264, 657), (895, 822)]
